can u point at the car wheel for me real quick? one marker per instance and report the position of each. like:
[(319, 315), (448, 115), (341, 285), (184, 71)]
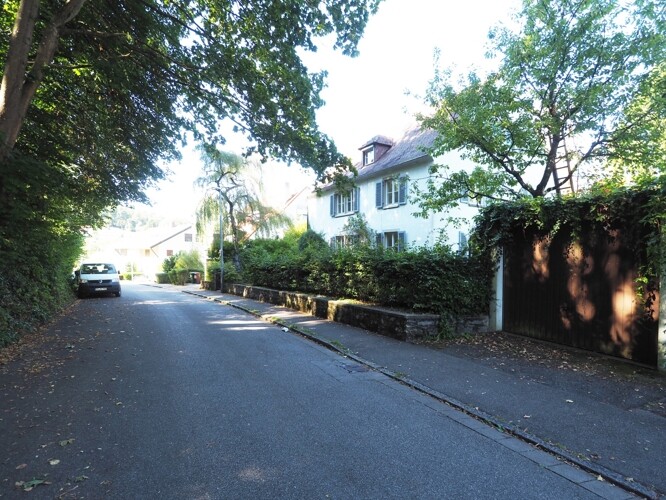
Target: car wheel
[(117, 294)]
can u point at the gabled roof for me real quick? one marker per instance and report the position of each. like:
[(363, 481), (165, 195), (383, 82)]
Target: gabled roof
[(409, 148), (172, 234)]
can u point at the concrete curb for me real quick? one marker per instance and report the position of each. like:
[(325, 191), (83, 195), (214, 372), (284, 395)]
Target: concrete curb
[(508, 429)]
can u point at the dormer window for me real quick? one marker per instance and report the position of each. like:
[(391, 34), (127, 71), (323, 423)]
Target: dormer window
[(374, 149), (368, 156)]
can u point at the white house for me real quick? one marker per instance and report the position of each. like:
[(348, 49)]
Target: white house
[(142, 251), (387, 174)]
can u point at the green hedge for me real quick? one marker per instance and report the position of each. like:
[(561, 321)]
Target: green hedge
[(162, 278), (427, 280), (35, 284)]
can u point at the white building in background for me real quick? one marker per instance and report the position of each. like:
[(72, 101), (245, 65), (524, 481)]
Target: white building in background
[(144, 251), (387, 173)]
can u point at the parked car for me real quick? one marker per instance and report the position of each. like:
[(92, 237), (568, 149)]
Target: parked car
[(97, 278)]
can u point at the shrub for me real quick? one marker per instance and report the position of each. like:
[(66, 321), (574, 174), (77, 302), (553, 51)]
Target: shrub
[(179, 277), (428, 280), (188, 261), (169, 263), (162, 278)]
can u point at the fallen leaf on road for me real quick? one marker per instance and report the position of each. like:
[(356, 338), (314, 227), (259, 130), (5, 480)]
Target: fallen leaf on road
[(29, 485), (54, 461), (569, 401), (22, 466), (65, 442)]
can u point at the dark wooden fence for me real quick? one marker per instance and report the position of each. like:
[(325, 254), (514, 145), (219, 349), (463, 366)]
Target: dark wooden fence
[(581, 293)]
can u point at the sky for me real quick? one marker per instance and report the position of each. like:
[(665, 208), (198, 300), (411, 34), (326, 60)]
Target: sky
[(368, 95)]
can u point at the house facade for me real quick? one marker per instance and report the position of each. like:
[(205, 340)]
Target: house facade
[(388, 172), (142, 252)]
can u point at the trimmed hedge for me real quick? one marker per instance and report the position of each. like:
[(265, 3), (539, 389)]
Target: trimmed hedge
[(424, 280)]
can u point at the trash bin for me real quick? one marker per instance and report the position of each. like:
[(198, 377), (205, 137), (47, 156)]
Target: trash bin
[(195, 277)]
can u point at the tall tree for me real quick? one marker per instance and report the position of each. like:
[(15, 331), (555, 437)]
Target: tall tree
[(230, 186), (559, 101), (110, 86)]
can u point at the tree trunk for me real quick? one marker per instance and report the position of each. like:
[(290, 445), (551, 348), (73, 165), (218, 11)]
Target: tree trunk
[(551, 164), (19, 83)]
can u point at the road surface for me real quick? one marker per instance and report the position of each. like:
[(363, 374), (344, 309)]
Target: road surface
[(159, 394)]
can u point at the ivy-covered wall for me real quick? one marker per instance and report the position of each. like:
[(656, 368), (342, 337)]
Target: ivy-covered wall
[(583, 271)]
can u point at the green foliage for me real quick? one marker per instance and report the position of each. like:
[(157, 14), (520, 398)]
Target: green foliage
[(129, 77), (432, 280), (188, 261), (578, 82), (40, 243), (639, 212), (232, 185), (126, 82), (162, 278), (311, 241), (358, 229), (179, 276), (231, 275), (169, 264)]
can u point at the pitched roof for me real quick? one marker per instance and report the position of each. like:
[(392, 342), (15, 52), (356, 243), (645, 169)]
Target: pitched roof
[(410, 147)]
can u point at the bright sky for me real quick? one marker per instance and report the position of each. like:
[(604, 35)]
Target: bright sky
[(366, 96)]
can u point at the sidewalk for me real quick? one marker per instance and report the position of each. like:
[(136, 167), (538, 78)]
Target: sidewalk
[(610, 422)]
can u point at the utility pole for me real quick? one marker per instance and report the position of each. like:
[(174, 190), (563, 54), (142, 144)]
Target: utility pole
[(221, 241)]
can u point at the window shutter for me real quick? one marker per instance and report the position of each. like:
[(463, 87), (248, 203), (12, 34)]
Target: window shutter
[(378, 195), (332, 242), (380, 240), (402, 193), (402, 241), (357, 195), (332, 205)]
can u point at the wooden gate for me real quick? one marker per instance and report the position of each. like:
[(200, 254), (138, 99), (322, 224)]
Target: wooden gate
[(581, 293)]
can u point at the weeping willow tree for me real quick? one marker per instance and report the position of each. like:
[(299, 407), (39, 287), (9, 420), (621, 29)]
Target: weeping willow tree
[(233, 189)]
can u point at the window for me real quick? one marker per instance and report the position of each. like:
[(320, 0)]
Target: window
[(146, 252), (169, 253), (345, 203), (369, 156), (391, 192), (462, 242), (188, 237), (396, 240), (343, 241)]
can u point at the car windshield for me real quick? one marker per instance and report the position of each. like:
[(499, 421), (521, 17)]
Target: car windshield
[(97, 269)]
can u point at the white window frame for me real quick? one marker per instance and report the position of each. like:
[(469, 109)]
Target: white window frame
[(342, 241), (392, 240), (391, 192), (369, 156), (343, 204)]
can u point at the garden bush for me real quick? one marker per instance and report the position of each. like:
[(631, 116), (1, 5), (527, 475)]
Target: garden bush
[(425, 279)]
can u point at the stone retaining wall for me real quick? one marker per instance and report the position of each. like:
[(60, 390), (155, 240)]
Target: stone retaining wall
[(401, 325)]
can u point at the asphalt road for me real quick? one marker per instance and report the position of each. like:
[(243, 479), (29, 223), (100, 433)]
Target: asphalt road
[(159, 394)]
